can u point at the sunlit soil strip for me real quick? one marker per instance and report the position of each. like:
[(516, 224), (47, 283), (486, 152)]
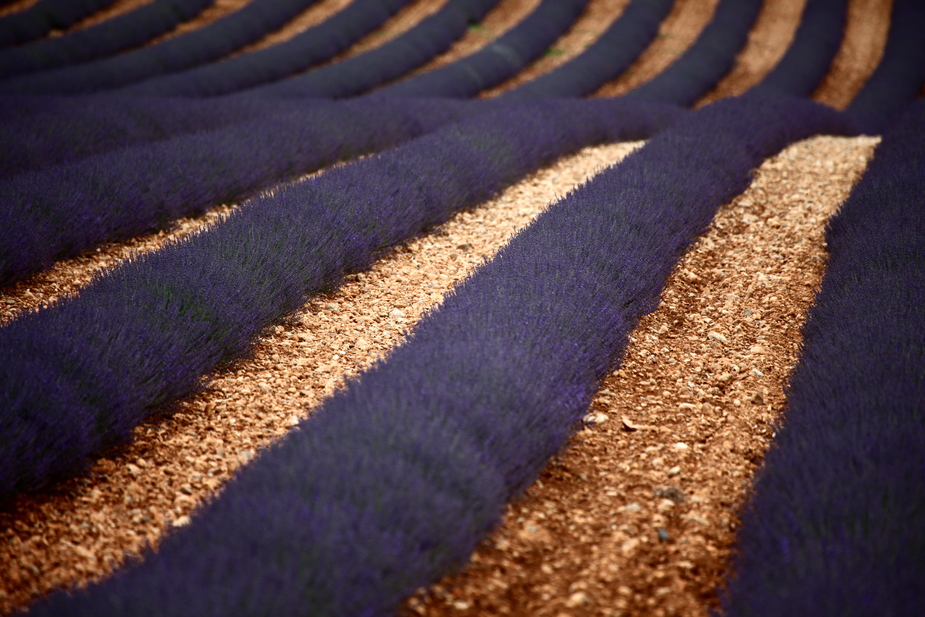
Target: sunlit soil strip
[(88, 526), (678, 31), (767, 43), (598, 16), (637, 516), (866, 32)]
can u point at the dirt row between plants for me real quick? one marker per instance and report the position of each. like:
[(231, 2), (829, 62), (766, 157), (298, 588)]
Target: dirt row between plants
[(586, 539)]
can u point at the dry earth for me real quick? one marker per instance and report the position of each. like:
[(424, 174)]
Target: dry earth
[(637, 515)]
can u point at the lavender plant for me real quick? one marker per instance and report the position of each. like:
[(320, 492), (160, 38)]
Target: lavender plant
[(900, 75), (105, 38), (65, 210), (313, 46), (44, 16), (817, 40), (389, 61), (205, 44)]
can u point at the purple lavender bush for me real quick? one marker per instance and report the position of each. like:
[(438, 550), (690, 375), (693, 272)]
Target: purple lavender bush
[(122, 32), (313, 46), (900, 75), (603, 60), (706, 61), (363, 72), (206, 44), (807, 60), (43, 17)]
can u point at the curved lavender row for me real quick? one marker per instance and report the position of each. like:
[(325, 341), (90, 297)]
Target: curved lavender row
[(817, 40), (499, 60), (206, 44), (57, 130), (393, 481), (65, 210), (835, 526), (605, 59), (149, 331), (710, 57), (392, 60), (315, 45), (901, 74), (105, 38), (45, 16)]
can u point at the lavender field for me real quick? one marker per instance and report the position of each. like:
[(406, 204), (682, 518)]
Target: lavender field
[(462, 307)]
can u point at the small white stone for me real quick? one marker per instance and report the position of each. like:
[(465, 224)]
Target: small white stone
[(397, 313), (595, 418), (716, 336), (674, 471), (577, 599)]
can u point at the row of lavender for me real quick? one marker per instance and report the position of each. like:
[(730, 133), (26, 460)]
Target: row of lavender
[(107, 37), (511, 485), (241, 28)]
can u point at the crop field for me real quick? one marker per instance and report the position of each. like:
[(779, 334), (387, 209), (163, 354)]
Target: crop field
[(455, 308)]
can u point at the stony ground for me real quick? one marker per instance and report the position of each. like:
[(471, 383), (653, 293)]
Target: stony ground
[(638, 515)]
